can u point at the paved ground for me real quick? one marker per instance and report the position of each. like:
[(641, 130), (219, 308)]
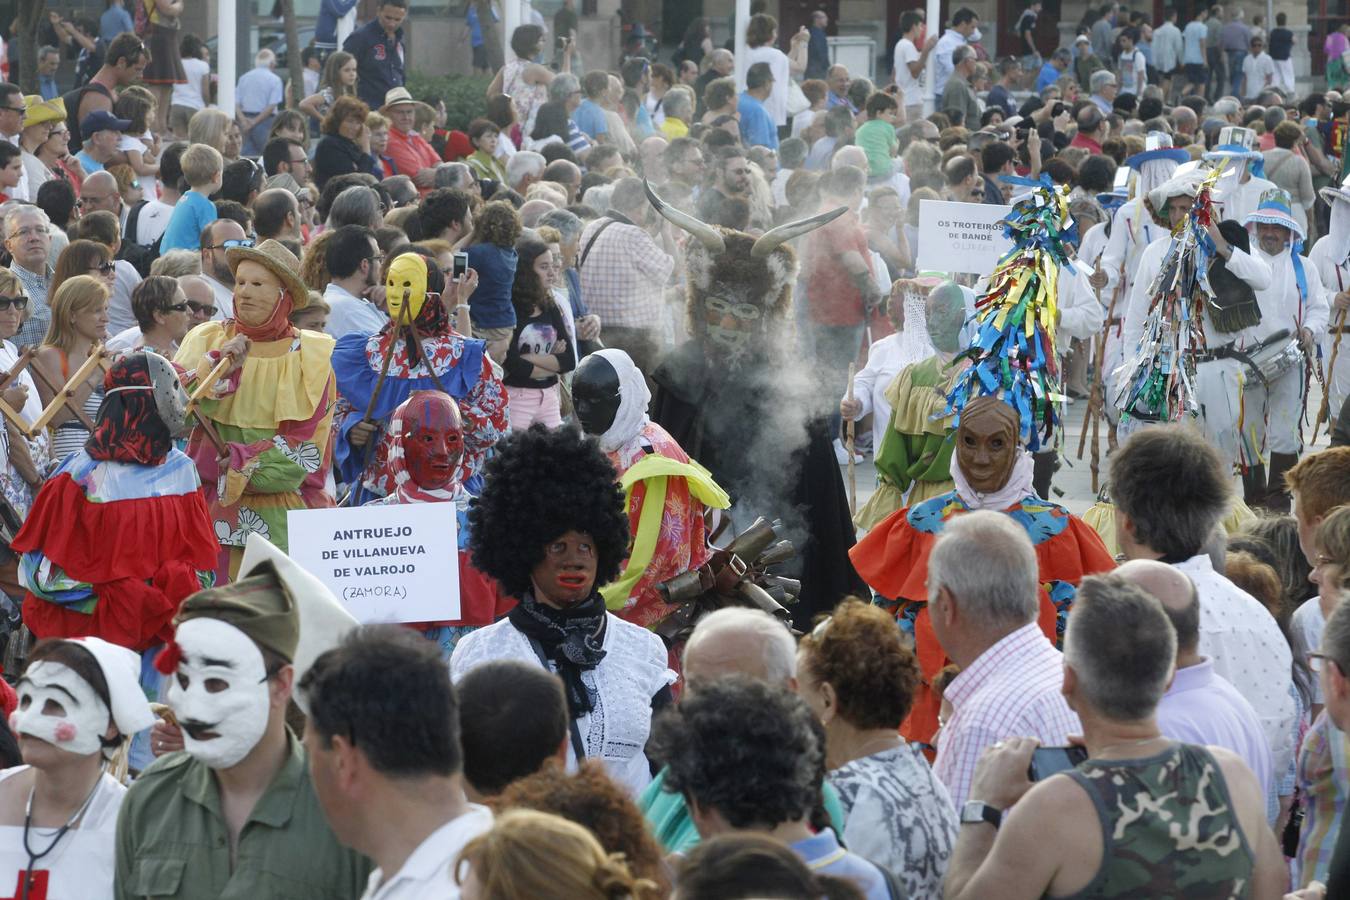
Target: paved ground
[(1072, 484)]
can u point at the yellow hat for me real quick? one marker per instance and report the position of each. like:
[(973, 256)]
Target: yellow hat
[(37, 111)]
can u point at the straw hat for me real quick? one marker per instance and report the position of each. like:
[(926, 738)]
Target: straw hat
[(38, 111), (1337, 192), (274, 257), (398, 96)]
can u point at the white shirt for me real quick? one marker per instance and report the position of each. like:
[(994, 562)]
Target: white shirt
[(258, 89), (189, 93), (1132, 230), (1335, 272), (1259, 73), (128, 339), (1166, 47), (36, 174), (81, 865), (779, 185), (632, 672), (348, 313), (910, 87), (429, 871), (149, 183), (224, 298), (152, 221), (942, 54), (1308, 622), (1280, 303), (885, 359), (1244, 641), (125, 280), (1240, 202), (776, 103), (310, 79), (1133, 72)]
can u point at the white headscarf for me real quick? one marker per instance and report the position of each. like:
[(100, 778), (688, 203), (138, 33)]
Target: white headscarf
[(631, 417), (1339, 235)]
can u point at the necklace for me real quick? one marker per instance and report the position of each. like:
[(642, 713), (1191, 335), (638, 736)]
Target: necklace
[(60, 832), (1101, 751)]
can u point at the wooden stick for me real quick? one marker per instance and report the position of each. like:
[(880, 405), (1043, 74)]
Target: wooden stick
[(1324, 411), (204, 387), (15, 416), (848, 446), (1096, 395), (97, 358)]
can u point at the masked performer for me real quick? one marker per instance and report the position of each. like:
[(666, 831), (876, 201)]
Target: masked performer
[(120, 533), (1331, 256), (236, 814), (913, 457), (427, 445), (550, 527), (665, 492), (420, 301), (1239, 191), (727, 398), (79, 703), (273, 409), (1005, 408)]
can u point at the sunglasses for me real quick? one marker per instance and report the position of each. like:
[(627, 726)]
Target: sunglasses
[(20, 303), (231, 244), (176, 307), (201, 308), (106, 268)]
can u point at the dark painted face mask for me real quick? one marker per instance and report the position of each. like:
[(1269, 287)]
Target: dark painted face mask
[(596, 394)]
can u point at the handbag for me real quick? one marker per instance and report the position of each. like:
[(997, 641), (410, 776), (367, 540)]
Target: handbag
[(796, 100)]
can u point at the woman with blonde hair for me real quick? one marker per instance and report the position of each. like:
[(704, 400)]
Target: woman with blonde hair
[(531, 855), (79, 324), (209, 126), (84, 257)]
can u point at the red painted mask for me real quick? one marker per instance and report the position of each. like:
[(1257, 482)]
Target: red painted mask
[(433, 439)]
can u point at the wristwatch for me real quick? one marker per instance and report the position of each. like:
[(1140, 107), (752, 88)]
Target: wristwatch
[(974, 812)]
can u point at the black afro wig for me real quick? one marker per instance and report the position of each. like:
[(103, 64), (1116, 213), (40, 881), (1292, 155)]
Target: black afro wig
[(540, 485)]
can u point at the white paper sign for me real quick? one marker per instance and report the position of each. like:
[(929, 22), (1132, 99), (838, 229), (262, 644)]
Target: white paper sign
[(395, 563), (961, 237)]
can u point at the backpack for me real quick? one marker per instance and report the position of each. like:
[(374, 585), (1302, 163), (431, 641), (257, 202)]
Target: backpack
[(141, 256)]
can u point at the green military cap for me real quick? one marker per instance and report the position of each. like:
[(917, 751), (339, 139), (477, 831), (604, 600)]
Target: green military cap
[(259, 605)]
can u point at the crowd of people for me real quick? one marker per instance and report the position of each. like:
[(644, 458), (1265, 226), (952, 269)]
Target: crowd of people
[(632, 324)]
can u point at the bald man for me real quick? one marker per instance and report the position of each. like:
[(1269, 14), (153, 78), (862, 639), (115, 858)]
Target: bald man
[(1201, 706), (730, 641)]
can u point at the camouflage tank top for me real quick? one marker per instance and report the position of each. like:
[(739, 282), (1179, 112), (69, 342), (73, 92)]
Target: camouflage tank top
[(1168, 828)]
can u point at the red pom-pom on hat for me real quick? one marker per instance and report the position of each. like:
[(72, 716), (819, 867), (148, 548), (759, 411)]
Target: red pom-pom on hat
[(167, 660)]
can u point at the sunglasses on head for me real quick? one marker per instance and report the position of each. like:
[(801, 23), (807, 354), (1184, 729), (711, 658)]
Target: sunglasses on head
[(20, 303), (201, 308)]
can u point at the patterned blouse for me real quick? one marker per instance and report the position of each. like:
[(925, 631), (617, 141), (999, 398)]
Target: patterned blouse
[(899, 816)]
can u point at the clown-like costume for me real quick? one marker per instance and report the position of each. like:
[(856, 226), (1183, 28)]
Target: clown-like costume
[(120, 533), (1331, 257), (1297, 303), (442, 360), (914, 448), (427, 441), (273, 410), (893, 557), (727, 397), (665, 492)]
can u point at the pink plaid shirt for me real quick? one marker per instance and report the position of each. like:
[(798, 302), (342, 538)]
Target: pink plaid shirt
[(1012, 690), (624, 277)]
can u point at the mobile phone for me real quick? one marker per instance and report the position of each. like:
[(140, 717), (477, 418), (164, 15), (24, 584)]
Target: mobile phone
[(1047, 761), (460, 267)]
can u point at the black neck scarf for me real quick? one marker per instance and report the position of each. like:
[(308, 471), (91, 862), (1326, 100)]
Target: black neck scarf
[(572, 639)]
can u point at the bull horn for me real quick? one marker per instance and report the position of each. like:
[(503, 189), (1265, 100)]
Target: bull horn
[(770, 240), (708, 236)]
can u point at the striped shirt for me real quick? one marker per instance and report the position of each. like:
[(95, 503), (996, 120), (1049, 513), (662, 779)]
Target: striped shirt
[(1011, 690)]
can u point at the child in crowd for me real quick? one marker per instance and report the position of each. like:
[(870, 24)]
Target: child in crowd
[(203, 169), (877, 137)]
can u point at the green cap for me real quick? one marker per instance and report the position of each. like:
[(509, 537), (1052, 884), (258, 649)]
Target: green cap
[(258, 605)]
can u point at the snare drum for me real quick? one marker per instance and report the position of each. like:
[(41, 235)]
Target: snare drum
[(1273, 361)]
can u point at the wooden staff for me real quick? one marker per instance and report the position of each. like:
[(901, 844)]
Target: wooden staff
[(848, 446), (1324, 411), (15, 416), (1095, 395), (404, 319)]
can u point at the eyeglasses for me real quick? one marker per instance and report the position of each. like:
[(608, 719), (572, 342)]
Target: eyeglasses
[(90, 201), (30, 231), (59, 132), (106, 268), (176, 307), (17, 109), (201, 308), (231, 244), (1315, 660), (302, 161), (20, 303)]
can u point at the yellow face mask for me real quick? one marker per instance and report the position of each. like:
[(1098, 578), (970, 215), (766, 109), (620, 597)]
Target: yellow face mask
[(407, 277)]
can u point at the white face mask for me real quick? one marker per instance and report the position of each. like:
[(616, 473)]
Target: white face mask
[(58, 706), (220, 691)]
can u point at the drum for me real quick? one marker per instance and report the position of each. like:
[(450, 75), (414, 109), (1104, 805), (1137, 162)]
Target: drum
[(1273, 360)]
